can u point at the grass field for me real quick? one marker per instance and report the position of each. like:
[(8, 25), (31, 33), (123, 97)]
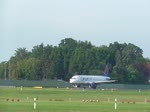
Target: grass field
[(73, 100)]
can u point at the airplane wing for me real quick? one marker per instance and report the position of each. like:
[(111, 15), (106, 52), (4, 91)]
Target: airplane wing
[(99, 82)]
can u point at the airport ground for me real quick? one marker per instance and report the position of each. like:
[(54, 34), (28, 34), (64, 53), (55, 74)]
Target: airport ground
[(19, 99)]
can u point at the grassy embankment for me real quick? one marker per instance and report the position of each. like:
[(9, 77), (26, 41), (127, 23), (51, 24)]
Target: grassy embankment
[(73, 100)]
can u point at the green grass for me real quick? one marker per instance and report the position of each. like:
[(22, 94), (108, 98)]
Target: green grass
[(71, 100)]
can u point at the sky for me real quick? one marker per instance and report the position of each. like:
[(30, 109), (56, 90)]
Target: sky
[(27, 23)]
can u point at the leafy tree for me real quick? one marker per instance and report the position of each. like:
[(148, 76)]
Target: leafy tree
[(78, 57), (134, 76), (21, 53)]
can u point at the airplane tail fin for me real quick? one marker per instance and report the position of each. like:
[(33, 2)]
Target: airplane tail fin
[(106, 70)]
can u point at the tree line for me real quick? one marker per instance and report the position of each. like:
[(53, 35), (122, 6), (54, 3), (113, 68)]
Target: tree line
[(72, 57)]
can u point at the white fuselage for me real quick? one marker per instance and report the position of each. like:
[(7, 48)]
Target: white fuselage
[(87, 79)]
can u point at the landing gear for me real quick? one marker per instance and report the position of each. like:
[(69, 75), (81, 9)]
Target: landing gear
[(77, 86)]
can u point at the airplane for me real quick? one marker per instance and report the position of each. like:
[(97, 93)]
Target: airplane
[(91, 80)]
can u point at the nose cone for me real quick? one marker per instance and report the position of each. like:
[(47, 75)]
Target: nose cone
[(71, 80)]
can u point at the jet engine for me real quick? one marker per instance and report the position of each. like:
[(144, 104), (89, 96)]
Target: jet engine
[(93, 85)]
